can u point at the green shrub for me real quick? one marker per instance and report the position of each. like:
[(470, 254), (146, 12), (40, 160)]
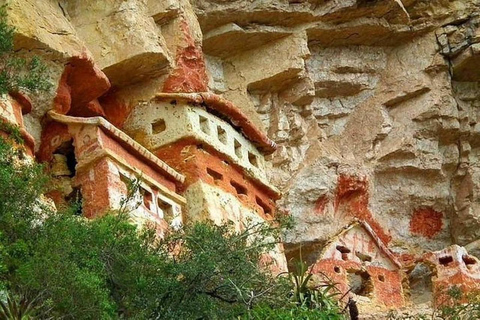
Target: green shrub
[(292, 313), (462, 307), (21, 185), (107, 269), (18, 73)]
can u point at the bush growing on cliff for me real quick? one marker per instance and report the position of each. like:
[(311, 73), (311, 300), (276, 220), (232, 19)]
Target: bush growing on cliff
[(105, 268), (21, 185), (18, 73)]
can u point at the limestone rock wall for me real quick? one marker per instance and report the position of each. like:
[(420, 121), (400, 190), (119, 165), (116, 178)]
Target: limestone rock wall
[(374, 104)]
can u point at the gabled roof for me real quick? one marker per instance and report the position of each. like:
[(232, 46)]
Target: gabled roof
[(383, 248)]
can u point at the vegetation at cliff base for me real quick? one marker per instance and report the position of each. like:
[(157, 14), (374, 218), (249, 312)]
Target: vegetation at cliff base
[(55, 264), (64, 266)]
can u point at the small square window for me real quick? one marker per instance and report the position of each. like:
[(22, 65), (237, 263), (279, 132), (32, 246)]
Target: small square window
[(158, 126), (267, 210), (147, 198), (238, 187), (217, 176), (165, 210), (253, 159)]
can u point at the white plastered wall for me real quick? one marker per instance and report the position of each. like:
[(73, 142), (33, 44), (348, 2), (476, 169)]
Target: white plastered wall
[(159, 123)]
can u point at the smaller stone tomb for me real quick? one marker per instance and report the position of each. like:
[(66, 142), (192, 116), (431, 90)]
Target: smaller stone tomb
[(453, 267), (362, 268)]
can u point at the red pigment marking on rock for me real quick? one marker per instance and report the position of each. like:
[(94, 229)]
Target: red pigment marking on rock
[(81, 83), (190, 73), (426, 222), (116, 110), (352, 198), (320, 204), (349, 186)]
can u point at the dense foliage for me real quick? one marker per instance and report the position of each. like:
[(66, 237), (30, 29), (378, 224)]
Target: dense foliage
[(105, 268), (58, 265)]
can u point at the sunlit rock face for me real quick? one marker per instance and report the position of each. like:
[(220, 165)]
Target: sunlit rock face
[(354, 110)]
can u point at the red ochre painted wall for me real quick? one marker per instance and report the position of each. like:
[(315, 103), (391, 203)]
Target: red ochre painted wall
[(96, 180), (385, 291), (192, 161)]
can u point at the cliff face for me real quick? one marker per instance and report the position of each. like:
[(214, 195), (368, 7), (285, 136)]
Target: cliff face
[(373, 104)]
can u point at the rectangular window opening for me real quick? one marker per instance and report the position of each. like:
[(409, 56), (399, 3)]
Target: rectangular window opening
[(165, 210), (147, 198), (214, 174), (360, 282), (266, 208), (238, 148), (253, 159), (445, 260), (222, 135), (239, 188)]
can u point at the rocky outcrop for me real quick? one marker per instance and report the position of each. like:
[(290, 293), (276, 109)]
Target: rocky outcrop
[(372, 104)]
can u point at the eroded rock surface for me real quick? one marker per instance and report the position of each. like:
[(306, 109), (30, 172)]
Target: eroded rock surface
[(373, 105)]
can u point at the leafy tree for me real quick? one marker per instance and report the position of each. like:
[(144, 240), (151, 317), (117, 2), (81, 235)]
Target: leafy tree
[(105, 268), (217, 273), (21, 186), (75, 268)]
